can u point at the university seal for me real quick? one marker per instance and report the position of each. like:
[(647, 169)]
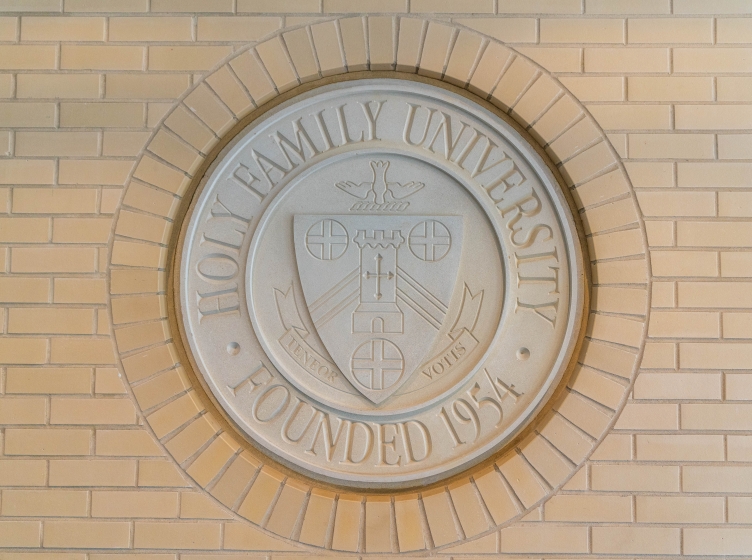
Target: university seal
[(380, 283)]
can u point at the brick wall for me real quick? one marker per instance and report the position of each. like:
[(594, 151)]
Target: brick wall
[(84, 84)]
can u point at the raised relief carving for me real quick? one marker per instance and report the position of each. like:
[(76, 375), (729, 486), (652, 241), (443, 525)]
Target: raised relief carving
[(396, 275)]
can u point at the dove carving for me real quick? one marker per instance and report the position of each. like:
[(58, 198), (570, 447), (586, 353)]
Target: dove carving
[(379, 191)]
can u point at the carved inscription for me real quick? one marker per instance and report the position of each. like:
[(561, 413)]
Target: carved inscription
[(376, 258)]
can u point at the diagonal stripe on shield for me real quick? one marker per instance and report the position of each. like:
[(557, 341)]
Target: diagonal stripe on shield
[(378, 289)]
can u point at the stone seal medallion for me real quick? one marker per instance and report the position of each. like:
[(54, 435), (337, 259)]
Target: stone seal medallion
[(380, 283)]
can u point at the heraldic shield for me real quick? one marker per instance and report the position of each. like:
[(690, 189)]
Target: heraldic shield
[(378, 289)]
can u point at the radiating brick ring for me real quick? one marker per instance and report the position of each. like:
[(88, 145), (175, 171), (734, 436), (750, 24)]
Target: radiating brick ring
[(194, 433)]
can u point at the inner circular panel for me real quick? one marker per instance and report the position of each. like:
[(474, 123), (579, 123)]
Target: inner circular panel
[(317, 248), (380, 283)]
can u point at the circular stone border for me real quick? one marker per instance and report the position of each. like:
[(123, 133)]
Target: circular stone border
[(197, 436)]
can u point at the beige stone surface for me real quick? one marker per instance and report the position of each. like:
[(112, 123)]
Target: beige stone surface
[(99, 426)]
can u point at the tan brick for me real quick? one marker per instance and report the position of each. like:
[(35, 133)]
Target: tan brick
[(636, 540), (45, 503), (539, 7), (22, 411), (27, 57), (150, 29), (79, 290), (103, 472), (733, 88), (57, 86), (39, 320), (186, 58), (676, 447), (672, 146), (123, 143), (91, 411), (737, 325), (716, 416), (134, 504), (8, 28), (554, 59), (714, 234), (627, 7), (106, 6), (517, 30), (82, 351), (86, 534), (684, 263), (663, 30), (684, 324), (733, 60), (723, 541), (27, 115), (679, 509), (177, 535), (439, 516), (658, 88), (23, 472), (234, 481), (719, 7), (57, 143), (737, 30), (739, 509), (98, 57), (48, 380), (715, 294), (614, 447), (735, 146), (53, 260), (718, 117), (194, 505), (107, 381), (236, 28), (20, 533), (126, 443), (47, 441), (24, 230), (155, 473), (536, 99), (110, 200), (591, 88), (685, 386), (272, 6), (99, 171), (81, 230), (17, 350), (649, 478), (714, 174), (582, 31), (191, 6), (449, 6), (632, 117), (738, 387), (648, 417), (146, 86), (54, 200), (130, 115), (599, 508), (725, 478), (207, 106), (36, 28), (626, 60), (544, 538), (739, 449)]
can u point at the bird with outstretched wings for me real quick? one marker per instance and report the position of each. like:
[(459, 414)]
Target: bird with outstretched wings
[(379, 190)]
